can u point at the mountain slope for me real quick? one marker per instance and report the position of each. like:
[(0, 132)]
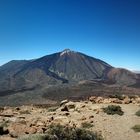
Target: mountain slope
[(8, 70), (61, 67), (58, 68), (73, 66), (122, 76)]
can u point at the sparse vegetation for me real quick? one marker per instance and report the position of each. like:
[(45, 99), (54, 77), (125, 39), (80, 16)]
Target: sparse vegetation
[(78, 110), (72, 125), (86, 125), (59, 132), (2, 130), (72, 133), (120, 97), (4, 124), (136, 128), (138, 113), (113, 109)]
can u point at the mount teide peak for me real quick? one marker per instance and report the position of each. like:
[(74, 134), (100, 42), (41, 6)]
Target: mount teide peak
[(66, 52), (58, 68)]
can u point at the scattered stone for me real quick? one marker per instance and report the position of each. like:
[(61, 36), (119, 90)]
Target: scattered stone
[(83, 118), (39, 123), (107, 101), (92, 99), (12, 119), (7, 115), (16, 129), (86, 102), (31, 130), (70, 105), (117, 101), (1, 109), (65, 108), (99, 100), (22, 121), (90, 117), (138, 100), (21, 117), (17, 108), (13, 134), (63, 102), (67, 113), (61, 119), (97, 112), (126, 100), (83, 106), (92, 121), (52, 118), (40, 130)]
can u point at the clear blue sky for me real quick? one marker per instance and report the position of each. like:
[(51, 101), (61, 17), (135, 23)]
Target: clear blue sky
[(106, 29)]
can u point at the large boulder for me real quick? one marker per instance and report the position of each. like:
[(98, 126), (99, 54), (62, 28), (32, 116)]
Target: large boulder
[(138, 100), (70, 105), (92, 99), (99, 100), (61, 120), (64, 108), (126, 100), (63, 102), (18, 129)]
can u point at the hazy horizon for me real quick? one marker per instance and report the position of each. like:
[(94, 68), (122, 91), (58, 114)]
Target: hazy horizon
[(107, 30)]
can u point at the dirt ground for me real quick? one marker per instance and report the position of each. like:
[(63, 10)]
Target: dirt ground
[(111, 127)]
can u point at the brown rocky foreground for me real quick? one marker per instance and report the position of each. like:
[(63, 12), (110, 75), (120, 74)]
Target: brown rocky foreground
[(18, 121)]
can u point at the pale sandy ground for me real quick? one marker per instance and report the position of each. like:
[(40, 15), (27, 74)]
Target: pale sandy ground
[(112, 127), (119, 127)]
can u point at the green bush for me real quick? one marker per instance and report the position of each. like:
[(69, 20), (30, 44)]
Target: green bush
[(71, 133), (86, 125), (120, 97), (3, 125), (138, 113), (59, 132), (136, 128), (113, 109)]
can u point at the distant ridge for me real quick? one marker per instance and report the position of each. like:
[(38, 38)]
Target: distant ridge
[(135, 71), (65, 67)]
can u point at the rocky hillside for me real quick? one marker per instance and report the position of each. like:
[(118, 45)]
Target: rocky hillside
[(122, 76)]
